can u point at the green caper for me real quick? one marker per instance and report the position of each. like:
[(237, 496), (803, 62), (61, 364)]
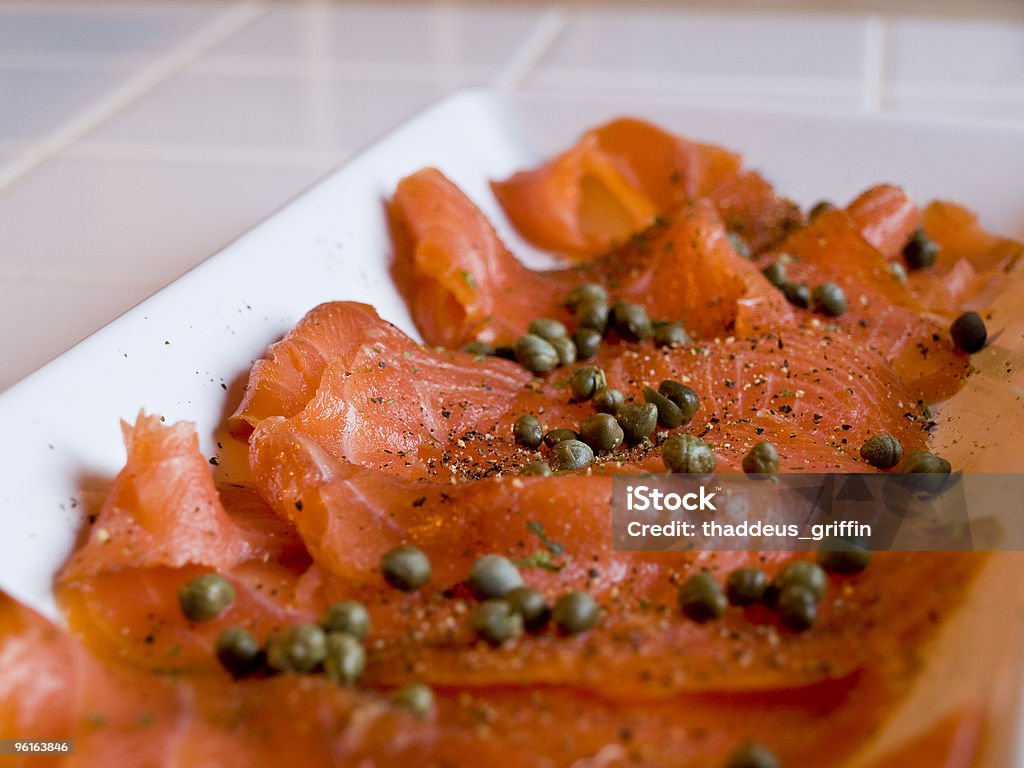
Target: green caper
[(844, 557), (585, 381), (969, 332), (505, 352), (920, 251), (593, 315), (802, 573), (575, 612), (205, 597), (684, 397), (536, 469), (762, 459), (927, 463), (531, 605), (566, 350), (586, 292), (587, 342), (828, 299), (496, 622), (493, 576), (406, 568), (775, 273), (670, 415), (547, 328), (556, 436), (345, 659), (671, 335), (739, 244), (601, 432), (752, 754), (797, 294), (797, 607), (608, 400), (571, 454), (701, 597), (689, 454), (239, 652), (630, 321), (528, 432), (479, 348), (417, 698), (299, 648), (347, 616), (638, 421), (882, 451), (820, 207), (536, 354), (746, 586)]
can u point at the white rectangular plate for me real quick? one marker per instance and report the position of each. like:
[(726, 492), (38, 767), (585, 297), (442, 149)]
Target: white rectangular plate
[(175, 353)]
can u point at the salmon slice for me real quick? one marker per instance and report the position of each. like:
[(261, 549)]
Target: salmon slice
[(618, 177), (885, 216)]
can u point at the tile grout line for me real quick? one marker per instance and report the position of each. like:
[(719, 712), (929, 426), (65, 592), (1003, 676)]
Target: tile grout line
[(875, 35), (530, 53), (232, 20)]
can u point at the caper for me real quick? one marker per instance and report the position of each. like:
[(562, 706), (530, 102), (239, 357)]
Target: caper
[(505, 352), (701, 597), (630, 321), (547, 328), (531, 605), (536, 354), (689, 454), (299, 648), (762, 459), (680, 394), (638, 421), (586, 292), (571, 454), (601, 432), (575, 612), (882, 451), (670, 415), (822, 206), (746, 586), (496, 622), (347, 616), (585, 381), (752, 754), (239, 652), (536, 469), (739, 244), (844, 557), (493, 576), (797, 607), (802, 573), (775, 273), (797, 294), (593, 315), (927, 463), (969, 332), (528, 432), (205, 596), (406, 568), (671, 335), (587, 342), (920, 251), (566, 350), (608, 400), (556, 436), (417, 698), (479, 348), (345, 658), (828, 299)]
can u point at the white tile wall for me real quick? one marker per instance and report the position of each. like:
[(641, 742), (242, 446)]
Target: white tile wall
[(137, 137)]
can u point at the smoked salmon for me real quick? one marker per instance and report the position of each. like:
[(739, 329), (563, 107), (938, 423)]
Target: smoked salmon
[(362, 440)]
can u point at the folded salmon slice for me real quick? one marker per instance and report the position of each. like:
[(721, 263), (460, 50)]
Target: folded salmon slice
[(620, 176)]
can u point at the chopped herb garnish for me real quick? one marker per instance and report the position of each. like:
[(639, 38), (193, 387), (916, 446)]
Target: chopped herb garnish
[(537, 528)]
